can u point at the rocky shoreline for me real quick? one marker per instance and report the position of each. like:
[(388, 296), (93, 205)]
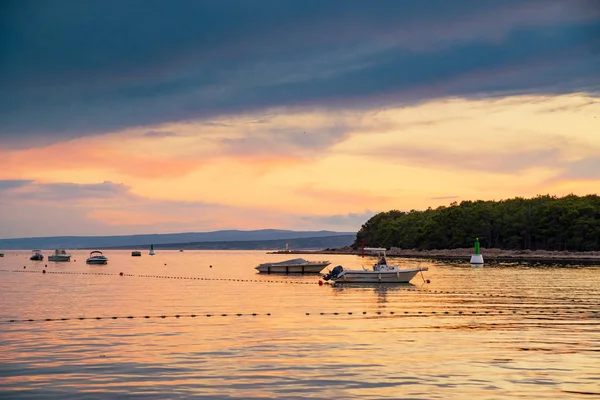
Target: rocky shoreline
[(489, 255)]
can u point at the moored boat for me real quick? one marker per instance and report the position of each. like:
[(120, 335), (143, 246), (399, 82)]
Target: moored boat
[(296, 265), (136, 253), (60, 255), (382, 272), (96, 257), (37, 255)]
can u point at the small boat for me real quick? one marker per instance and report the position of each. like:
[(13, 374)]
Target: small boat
[(296, 265), (136, 254), (37, 255), (382, 272), (1, 254), (60, 255), (96, 257)]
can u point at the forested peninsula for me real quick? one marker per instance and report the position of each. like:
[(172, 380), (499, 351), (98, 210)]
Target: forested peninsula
[(570, 223)]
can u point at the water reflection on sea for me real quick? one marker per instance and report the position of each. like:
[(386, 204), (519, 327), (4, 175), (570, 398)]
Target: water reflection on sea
[(491, 332)]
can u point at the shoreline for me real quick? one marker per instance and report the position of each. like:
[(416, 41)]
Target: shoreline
[(490, 256)]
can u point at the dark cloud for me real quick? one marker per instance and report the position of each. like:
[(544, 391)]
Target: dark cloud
[(572, 107), (31, 190), (286, 141), (71, 68), (8, 184)]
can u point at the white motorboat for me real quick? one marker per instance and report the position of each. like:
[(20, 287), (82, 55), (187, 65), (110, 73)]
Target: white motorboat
[(382, 272), (37, 255), (96, 257), (296, 265), (59, 255)]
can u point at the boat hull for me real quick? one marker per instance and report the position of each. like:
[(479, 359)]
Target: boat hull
[(292, 269), (37, 257), (358, 276), (97, 261), (59, 258)]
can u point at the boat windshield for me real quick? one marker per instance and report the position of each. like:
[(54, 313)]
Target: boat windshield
[(292, 262)]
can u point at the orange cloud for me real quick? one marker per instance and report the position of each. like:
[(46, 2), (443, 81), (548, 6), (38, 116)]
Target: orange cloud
[(286, 168), (81, 155)]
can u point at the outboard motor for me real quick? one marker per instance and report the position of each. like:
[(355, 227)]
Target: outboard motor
[(334, 273)]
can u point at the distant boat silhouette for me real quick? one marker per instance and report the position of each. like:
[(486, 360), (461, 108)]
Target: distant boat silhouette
[(151, 250)]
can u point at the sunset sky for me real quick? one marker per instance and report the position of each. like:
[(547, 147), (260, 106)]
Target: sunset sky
[(147, 116)]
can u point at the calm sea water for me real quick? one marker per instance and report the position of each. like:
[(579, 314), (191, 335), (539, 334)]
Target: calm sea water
[(491, 332)]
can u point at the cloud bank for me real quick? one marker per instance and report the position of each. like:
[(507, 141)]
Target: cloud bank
[(72, 68)]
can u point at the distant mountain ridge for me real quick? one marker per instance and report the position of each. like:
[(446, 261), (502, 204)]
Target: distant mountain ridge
[(122, 241), (309, 243)]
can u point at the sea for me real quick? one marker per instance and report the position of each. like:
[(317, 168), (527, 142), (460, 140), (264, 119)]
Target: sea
[(206, 325)]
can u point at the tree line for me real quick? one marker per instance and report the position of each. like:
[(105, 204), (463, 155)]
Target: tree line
[(542, 223)]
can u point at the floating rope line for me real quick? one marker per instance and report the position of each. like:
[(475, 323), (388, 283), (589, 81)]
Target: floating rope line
[(163, 316), (446, 313), (295, 282), (162, 276)]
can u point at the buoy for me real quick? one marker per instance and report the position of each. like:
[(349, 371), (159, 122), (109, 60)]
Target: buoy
[(44, 271), (45, 265), (320, 283), (428, 281), (476, 257), (211, 266), (24, 267), (121, 273)]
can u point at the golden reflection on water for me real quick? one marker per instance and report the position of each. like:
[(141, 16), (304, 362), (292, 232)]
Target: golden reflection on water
[(509, 331)]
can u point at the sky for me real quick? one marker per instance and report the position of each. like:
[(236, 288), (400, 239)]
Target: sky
[(155, 116)]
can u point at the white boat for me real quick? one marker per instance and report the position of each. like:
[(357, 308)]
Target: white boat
[(60, 255), (96, 257), (296, 265), (136, 253), (382, 272), (37, 255), (1, 254)]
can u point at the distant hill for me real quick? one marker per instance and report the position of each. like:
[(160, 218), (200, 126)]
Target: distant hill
[(310, 243), (550, 223), (176, 239)]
